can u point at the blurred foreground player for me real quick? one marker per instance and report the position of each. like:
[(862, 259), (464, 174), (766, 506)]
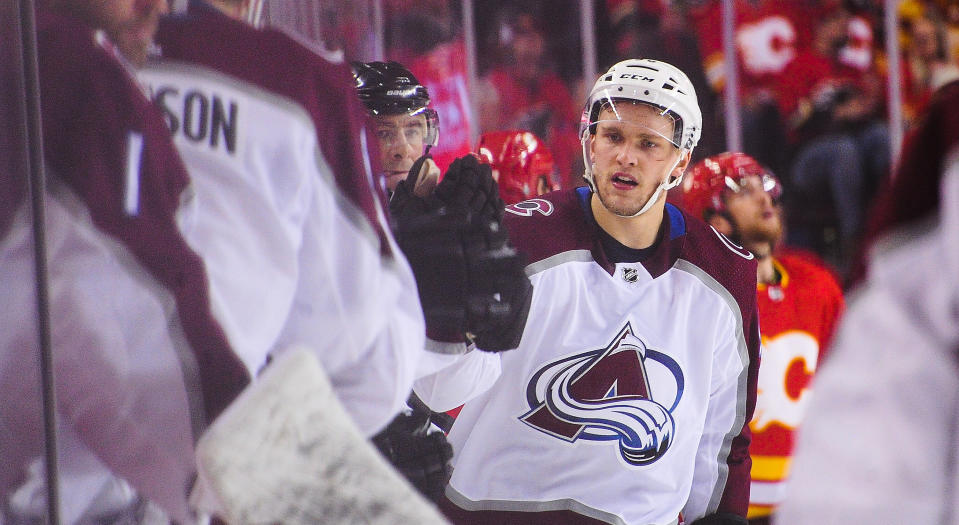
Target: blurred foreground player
[(295, 238), (799, 307), (879, 444), (141, 365)]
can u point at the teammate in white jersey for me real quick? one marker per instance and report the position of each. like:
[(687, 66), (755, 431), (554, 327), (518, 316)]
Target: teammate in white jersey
[(627, 399), (293, 233), (140, 364)]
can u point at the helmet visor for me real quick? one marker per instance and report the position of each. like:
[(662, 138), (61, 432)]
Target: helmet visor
[(627, 106), (419, 128), (757, 182), (645, 132)]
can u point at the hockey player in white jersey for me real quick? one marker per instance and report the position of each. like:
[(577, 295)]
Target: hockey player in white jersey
[(141, 367), (627, 399), (294, 236)]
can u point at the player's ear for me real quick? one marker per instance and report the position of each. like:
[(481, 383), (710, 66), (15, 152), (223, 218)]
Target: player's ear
[(721, 224), (683, 163)]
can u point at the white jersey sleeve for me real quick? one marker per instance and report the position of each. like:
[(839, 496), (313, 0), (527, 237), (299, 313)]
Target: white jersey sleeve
[(469, 376)]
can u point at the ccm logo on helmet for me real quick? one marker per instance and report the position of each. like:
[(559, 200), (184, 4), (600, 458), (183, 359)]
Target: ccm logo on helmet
[(636, 77)]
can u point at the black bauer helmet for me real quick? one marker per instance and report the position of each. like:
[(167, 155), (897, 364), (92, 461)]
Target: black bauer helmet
[(388, 88)]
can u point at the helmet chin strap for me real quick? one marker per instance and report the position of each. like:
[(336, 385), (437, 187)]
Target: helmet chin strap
[(663, 186)]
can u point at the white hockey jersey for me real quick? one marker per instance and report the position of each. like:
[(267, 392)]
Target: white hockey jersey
[(286, 218), (627, 399), (140, 364)]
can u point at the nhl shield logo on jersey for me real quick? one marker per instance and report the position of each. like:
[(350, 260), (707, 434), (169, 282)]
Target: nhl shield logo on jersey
[(606, 395), (526, 208)]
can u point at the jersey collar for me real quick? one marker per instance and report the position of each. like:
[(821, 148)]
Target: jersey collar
[(665, 252)]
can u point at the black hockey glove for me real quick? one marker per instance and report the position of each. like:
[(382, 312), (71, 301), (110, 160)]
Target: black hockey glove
[(417, 450), (469, 186), (499, 306), (723, 518), (433, 245), (469, 279)]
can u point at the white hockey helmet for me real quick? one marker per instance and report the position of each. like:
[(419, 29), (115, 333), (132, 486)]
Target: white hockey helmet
[(652, 82)]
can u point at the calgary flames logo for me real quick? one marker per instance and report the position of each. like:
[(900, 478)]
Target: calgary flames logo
[(605, 395), (789, 360)]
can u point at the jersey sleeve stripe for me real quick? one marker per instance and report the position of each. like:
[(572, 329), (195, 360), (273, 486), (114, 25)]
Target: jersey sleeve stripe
[(558, 259), (741, 394)]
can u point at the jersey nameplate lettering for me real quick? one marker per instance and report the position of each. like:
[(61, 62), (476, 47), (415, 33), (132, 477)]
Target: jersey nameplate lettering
[(198, 116)]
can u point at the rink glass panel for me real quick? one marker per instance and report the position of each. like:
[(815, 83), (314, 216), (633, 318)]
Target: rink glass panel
[(21, 412)]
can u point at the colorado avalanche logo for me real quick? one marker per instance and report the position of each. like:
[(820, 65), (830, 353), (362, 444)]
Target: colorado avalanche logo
[(526, 208), (605, 395)]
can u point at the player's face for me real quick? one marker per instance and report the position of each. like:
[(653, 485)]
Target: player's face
[(631, 156), (401, 139), (756, 216), (130, 24)]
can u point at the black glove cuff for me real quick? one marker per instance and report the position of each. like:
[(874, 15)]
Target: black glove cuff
[(506, 336)]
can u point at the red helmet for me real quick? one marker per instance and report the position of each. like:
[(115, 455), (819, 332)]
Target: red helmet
[(521, 161), (704, 183)]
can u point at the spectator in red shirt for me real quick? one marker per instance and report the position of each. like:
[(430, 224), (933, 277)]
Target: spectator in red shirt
[(522, 92), (838, 138)]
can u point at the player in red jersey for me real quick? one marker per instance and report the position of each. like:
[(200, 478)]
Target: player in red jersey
[(799, 305)]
